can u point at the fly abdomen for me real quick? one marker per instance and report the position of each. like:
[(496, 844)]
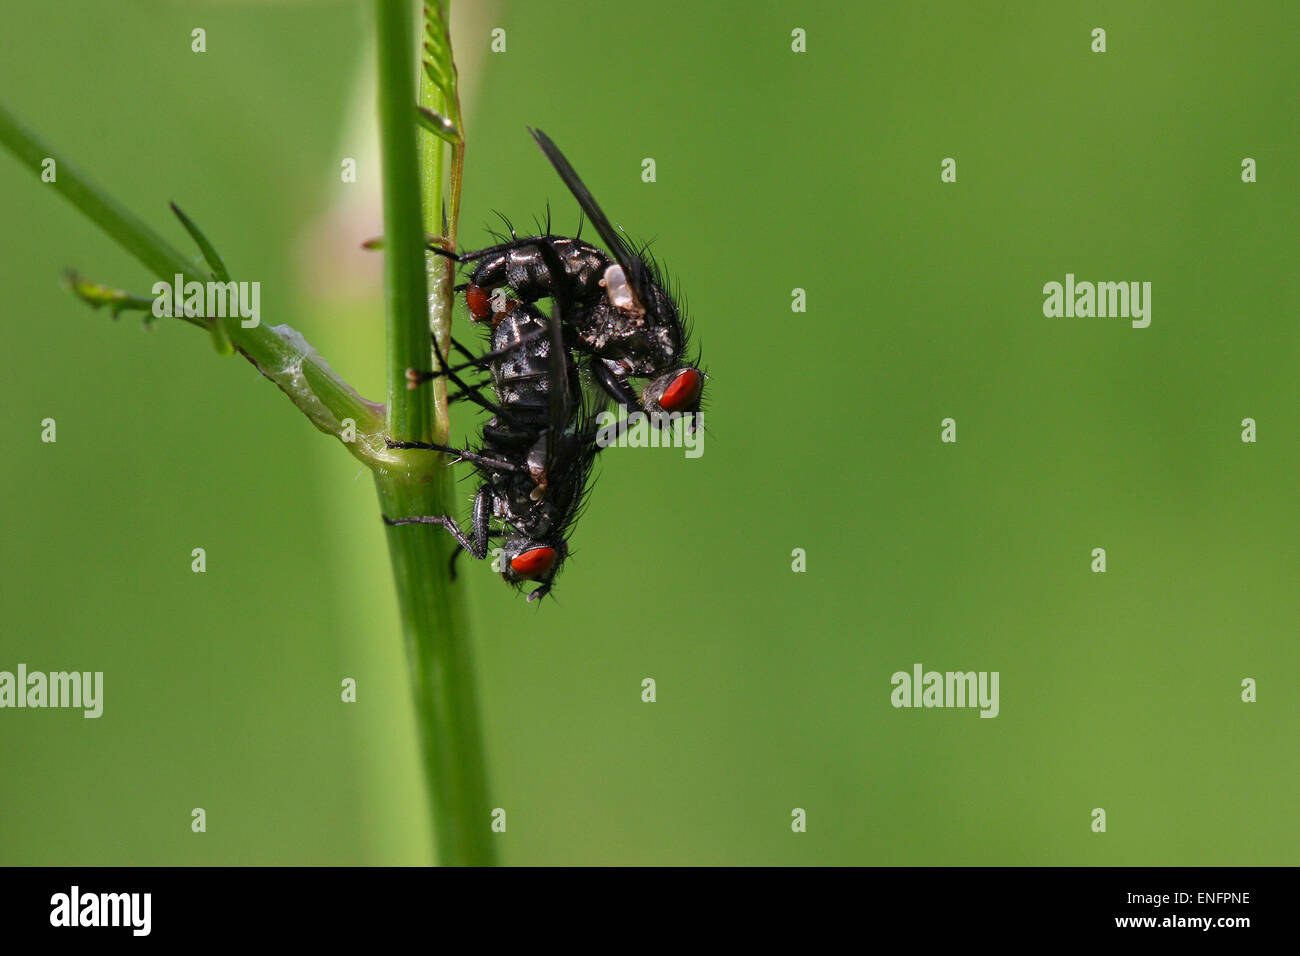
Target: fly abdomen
[(523, 269), (521, 375)]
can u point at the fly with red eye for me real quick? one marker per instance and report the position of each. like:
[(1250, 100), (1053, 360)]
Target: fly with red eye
[(534, 563), (610, 310), (624, 320), (537, 449)]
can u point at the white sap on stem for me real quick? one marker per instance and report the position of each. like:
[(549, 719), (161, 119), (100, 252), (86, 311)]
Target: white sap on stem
[(293, 382)]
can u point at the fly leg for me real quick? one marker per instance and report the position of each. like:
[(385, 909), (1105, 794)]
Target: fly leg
[(613, 385), (451, 567), (478, 362), (473, 457), (481, 514), (415, 377)]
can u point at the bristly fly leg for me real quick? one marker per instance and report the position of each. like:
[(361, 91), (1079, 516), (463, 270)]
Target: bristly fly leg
[(481, 515)]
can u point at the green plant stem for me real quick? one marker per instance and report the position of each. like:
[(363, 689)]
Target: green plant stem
[(279, 354), (409, 482), (433, 619), (442, 672), (410, 411), (443, 98)]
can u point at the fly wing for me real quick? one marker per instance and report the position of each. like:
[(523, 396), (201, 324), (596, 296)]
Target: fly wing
[(587, 427), (633, 266), (557, 361)]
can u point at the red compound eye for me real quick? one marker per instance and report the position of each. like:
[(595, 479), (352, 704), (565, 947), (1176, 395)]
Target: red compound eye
[(682, 392), (534, 562), (480, 305)]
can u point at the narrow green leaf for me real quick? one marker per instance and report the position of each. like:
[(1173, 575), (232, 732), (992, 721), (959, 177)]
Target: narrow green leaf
[(220, 337), (316, 389), (209, 252), (438, 125)]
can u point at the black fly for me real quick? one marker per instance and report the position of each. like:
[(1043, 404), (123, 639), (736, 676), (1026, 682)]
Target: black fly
[(622, 317), (536, 452)]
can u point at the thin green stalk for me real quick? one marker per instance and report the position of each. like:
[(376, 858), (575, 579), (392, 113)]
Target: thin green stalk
[(410, 411), (439, 95), (442, 671), (410, 482), (433, 619)]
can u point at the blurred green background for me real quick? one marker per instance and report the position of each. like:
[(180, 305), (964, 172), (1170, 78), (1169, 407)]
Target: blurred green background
[(775, 170)]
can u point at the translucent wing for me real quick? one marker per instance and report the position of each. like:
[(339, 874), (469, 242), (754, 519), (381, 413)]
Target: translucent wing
[(637, 274), (557, 360)]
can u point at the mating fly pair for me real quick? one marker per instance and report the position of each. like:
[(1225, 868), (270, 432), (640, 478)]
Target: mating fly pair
[(537, 450)]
